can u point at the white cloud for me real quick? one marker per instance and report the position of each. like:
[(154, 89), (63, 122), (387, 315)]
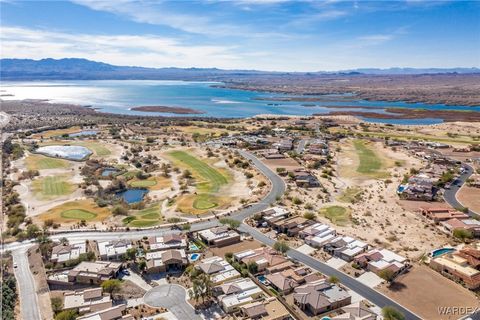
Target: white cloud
[(376, 38), (146, 50)]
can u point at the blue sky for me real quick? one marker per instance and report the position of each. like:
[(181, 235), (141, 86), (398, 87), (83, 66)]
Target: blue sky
[(246, 34)]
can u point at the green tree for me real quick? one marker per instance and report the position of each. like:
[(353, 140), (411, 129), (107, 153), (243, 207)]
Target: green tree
[(333, 279), (252, 267), (33, 231), (281, 246), (387, 275), (56, 304), (462, 234), (131, 254), (232, 223), (111, 286), (309, 215), (391, 313), (66, 315)]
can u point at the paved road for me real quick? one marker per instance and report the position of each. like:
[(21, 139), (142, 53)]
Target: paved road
[(26, 286), (173, 298), (450, 195), (363, 290)]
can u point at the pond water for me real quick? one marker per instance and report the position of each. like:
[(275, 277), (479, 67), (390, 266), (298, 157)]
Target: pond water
[(83, 133), (132, 195), (66, 152), (109, 171)]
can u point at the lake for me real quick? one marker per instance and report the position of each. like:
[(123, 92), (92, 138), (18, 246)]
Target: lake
[(118, 96), (66, 152), (132, 195)]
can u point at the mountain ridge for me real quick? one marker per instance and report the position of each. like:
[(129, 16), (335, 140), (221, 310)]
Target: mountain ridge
[(83, 69)]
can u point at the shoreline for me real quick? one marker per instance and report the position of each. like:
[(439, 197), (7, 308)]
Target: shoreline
[(166, 109)]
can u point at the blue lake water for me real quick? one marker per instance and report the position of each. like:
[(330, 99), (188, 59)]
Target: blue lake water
[(66, 152), (83, 133), (133, 195), (118, 96), (109, 171)]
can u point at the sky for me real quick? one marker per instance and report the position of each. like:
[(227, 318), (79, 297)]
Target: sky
[(277, 35)]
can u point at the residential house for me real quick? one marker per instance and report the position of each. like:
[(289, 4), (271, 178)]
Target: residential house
[(356, 311), (286, 280), (442, 214), (305, 179), (66, 252), (114, 313), (345, 247), (85, 301), (463, 266), (320, 296), (168, 241), (471, 225), (165, 261), (377, 260), (219, 236), (268, 309), (88, 272), (237, 293), (219, 270), (292, 226), (264, 257), (113, 250)]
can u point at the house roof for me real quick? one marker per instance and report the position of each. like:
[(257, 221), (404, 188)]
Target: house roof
[(281, 281)]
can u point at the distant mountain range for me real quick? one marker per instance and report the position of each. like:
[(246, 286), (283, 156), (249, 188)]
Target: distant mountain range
[(83, 69)]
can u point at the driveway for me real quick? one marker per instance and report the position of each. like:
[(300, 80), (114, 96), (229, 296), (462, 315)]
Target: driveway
[(136, 279), (173, 298)]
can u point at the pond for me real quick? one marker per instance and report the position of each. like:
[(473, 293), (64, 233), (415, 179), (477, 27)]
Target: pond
[(66, 152), (83, 133), (132, 195), (109, 171)]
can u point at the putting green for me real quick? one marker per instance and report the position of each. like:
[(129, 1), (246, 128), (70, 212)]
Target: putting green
[(144, 218), (79, 214), (203, 203)]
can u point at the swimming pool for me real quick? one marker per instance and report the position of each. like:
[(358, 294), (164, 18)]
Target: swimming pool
[(262, 279), (439, 252), (194, 257), (109, 171), (402, 188)]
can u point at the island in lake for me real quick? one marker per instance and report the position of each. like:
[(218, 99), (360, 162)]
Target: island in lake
[(176, 110)]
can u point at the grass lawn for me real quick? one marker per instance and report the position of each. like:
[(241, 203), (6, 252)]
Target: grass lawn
[(74, 211), (78, 214), (57, 132), (370, 163), (40, 162), (145, 218), (98, 148), (336, 214), (51, 186), (152, 183), (209, 181)]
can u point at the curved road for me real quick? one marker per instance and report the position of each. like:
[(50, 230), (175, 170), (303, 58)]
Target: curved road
[(450, 195), (29, 306)]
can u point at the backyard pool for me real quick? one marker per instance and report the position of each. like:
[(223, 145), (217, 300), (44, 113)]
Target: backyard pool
[(194, 257), (402, 188), (66, 152), (439, 252), (132, 195), (262, 279)]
